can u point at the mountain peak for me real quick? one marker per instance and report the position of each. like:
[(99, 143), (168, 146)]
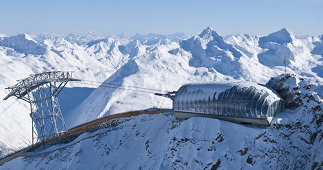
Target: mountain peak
[(23, 36), (23, 43), (208, 29), (284, 33), (27, 37), (284, 30), (282, 36), (209, 33)]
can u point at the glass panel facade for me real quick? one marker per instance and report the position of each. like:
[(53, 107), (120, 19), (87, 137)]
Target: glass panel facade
[(249, 101)]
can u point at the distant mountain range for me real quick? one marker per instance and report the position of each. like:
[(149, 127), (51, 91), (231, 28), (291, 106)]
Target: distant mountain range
[(153, 61)]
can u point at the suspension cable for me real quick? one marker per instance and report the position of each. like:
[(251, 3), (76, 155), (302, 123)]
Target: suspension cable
[(105, 85), (142, 88), (126, 87), (115, 87)]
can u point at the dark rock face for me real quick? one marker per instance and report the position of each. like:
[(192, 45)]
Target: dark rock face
[(291, 89)]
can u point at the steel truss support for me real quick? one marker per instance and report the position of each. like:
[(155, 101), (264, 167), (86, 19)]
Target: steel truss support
[(41, 91)]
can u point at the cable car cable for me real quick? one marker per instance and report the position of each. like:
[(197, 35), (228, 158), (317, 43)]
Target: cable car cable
[(118, 87), (126, 87), (143, 88)]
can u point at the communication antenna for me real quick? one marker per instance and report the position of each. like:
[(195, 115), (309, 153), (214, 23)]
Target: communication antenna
[(41, 91)]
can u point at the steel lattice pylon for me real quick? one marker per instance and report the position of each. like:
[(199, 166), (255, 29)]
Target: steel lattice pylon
[(41, 91)]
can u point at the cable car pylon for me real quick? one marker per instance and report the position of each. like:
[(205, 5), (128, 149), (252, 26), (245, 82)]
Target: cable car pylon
[(41, 91)]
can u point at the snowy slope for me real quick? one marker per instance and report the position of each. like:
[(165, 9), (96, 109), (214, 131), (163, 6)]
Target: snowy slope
[(195, 60), (91, 58), (21, 56), (209, 50), (293, 141), (163, 63)]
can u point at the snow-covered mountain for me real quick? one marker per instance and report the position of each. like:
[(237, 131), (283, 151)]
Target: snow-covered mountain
[(293, 141), (209, 50), (159, 63)]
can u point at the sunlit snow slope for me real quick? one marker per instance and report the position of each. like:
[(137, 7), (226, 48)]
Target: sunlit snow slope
[(293, 141), (153, 61)]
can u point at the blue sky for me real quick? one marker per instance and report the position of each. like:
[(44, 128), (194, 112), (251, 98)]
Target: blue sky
[(256, 17)]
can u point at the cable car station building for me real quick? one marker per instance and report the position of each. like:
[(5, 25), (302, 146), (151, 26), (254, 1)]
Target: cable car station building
[(237, 102)]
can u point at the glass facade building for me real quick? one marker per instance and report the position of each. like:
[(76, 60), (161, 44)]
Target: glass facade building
[(242, 102)]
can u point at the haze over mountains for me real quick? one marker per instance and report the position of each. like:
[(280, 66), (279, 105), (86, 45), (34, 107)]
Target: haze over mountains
[(160, 62)]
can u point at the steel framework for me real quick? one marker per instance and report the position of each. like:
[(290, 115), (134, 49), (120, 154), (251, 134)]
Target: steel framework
[(41, 91)]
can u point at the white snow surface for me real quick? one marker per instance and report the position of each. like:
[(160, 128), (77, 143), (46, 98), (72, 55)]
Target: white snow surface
[(163, 64), (293, 141)]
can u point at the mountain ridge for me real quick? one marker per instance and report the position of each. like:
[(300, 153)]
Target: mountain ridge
[(165, 66)]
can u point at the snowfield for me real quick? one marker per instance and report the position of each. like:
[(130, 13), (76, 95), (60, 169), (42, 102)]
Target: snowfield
[(161, 63)]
